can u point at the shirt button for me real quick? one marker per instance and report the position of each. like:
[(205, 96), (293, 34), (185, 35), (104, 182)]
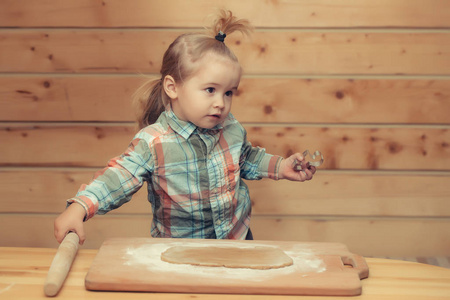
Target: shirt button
[(209, 157), (218, 222)]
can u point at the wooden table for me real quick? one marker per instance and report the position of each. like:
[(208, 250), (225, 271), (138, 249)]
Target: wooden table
[(23, 272)]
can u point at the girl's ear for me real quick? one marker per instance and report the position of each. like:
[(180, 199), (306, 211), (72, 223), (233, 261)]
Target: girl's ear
[(170, 87)]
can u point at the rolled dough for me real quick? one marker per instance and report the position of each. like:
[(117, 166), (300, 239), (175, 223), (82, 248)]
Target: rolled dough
[(258, 257)]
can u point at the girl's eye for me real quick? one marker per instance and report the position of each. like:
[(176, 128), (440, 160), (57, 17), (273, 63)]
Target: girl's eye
[(229, 93), (210, 90)]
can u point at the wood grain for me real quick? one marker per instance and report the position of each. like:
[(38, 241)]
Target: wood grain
[(342, 101), (61, 98), (261, 100), (273, 14), (366, 82), (23, 271), (268, 52), (408, 237), (382, 236), (395, 148), (50, 148), (35, 190)]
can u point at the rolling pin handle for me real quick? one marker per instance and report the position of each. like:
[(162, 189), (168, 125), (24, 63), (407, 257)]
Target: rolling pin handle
[(61, 264)]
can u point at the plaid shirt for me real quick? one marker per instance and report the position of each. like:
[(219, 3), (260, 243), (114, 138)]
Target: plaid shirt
[(194, 178)]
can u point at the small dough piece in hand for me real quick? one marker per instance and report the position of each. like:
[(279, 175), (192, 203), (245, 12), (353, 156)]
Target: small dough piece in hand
[(316, 159), (258, 257)]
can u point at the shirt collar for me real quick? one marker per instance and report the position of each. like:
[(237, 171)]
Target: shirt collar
[(183, 128), (186, 129)]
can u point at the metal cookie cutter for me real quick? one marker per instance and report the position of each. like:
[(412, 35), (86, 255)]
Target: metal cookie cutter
[(313, 159)]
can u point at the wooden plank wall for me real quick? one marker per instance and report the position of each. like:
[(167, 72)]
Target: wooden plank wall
[(365, 82)]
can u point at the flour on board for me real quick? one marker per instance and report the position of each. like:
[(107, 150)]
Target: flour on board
[(149, 256)]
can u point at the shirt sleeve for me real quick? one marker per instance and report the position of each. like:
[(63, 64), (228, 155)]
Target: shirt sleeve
[(114, 185), (256, 164)]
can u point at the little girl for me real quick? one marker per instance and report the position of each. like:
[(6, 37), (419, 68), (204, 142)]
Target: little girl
[(190, 150)]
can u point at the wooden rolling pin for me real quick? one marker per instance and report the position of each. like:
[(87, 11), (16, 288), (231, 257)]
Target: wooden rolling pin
[(61, 264)]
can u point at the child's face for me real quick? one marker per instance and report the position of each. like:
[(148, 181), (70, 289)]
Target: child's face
[(205, 97)]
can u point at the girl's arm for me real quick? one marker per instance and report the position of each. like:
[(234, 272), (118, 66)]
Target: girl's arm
[(110, 188), (115, 185), (70, 220), (255, 163)]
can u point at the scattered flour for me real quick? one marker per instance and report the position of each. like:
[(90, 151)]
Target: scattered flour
[(3, 290), (149, 256)]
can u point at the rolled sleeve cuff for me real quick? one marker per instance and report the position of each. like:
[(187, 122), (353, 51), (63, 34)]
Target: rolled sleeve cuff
[(88, 205), (270, 166)]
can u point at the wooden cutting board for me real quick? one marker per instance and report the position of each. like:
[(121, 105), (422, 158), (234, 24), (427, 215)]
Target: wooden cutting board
[(134, 264)]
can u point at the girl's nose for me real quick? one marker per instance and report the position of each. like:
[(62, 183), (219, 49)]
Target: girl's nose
[(219, 102)]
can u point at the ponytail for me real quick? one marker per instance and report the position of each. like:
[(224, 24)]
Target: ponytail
[(227, 23), (150, 102)]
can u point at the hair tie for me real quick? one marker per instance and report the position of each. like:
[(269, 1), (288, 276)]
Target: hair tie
[(221, 36)]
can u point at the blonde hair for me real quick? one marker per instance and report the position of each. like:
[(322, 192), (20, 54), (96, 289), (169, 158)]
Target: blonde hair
[(179, 61)]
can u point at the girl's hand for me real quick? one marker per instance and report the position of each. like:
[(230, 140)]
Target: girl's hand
[(288, 171), (70, 220)]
